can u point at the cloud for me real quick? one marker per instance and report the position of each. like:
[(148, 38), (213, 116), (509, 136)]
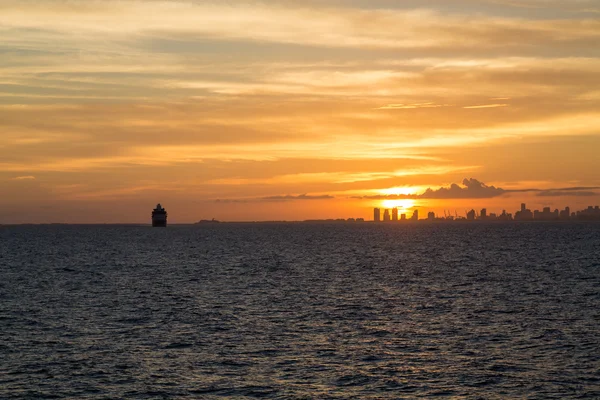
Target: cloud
[(474, 189), (555, 193), (233, 201), (565, 189), (24, 178), (278, 198), (299, 197), (579, 191), (328, 26), (411, 106), (487, 106), (471, 189)]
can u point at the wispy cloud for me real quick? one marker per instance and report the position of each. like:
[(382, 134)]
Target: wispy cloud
[(555, 193), (298, 197), (487, 106), (278, 198), (327, 26), (411, 106)]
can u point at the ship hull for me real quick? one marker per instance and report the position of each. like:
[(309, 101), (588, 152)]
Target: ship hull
[(159, 217)]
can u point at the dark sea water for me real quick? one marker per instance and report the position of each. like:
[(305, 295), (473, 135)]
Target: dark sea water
[(300, 311)]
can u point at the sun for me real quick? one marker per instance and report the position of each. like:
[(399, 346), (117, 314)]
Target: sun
[(401, 203)]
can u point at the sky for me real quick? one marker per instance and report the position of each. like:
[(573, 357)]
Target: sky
[(292, 110)]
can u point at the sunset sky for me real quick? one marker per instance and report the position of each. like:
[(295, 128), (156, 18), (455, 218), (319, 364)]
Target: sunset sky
[(291, 110)]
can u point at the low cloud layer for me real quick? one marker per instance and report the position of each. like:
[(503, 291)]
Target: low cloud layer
[(554, 193), (580, 191), (470, 189), (474, 189), (279, 198), (300, 197)]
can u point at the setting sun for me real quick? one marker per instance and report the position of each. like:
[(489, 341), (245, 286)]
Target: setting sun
[(402, 190)]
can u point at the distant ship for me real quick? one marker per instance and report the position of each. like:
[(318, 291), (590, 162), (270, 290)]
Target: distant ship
[(207, 221), (159, 217)]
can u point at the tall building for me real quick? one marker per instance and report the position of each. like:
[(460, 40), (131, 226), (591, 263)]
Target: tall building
[(591, 213), (471, 215), (546, 214), (395, 215), (415, 216), (524, 214), (377, 215), (504, 216), (403, 217), (386, 216), (483, 213), (431, 216)]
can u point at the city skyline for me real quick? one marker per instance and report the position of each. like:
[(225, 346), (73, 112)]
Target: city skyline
[(392, 207), (277, 110), (523, 214)]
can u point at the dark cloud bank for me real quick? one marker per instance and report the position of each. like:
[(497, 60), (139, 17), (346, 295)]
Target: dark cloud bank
[(470, 189), (474, 189)]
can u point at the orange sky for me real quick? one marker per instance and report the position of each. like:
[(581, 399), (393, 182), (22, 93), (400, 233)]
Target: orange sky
[(272, 110)]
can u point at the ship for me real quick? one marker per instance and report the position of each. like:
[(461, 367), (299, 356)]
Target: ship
[(159, 217)]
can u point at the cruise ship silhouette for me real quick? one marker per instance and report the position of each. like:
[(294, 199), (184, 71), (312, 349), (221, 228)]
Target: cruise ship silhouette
[(159, 217)]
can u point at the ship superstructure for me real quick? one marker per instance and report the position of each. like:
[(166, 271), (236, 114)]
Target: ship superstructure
[(159, 217)]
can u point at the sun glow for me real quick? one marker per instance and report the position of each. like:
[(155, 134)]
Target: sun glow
[(401, 203), (398, 190)]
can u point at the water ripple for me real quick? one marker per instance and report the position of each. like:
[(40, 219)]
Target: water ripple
[(300, 311)]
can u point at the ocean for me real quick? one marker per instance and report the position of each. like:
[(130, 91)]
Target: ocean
[(300, 311)]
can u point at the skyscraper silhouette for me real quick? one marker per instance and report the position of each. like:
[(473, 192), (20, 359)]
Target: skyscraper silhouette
[(415, 216), (386, 216)]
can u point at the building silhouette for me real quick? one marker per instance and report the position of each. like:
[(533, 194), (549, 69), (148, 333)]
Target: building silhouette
[(377, 214), (471, 215), (483, 215), (592, 213), (524, 215), (415, 216)]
